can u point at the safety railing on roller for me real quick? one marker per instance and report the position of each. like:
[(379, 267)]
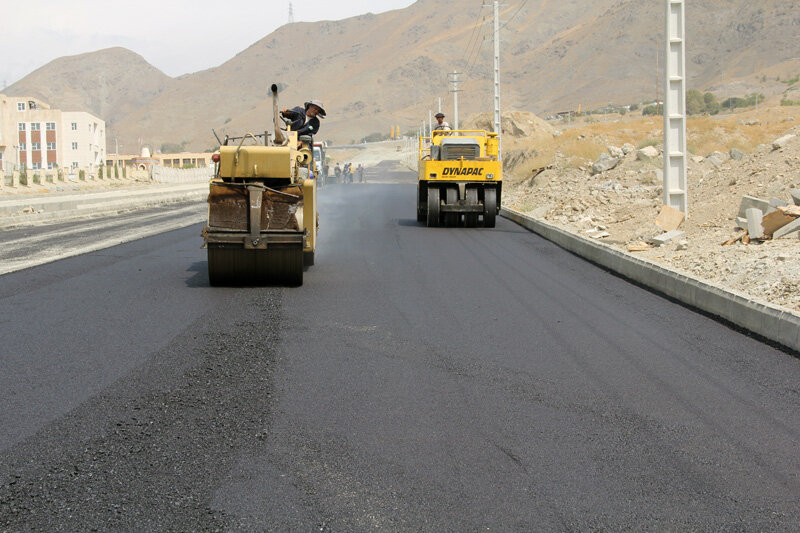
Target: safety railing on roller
[(425, 143)]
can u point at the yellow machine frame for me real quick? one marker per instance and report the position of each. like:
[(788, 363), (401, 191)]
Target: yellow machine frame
[(262, 222), (468, 187)]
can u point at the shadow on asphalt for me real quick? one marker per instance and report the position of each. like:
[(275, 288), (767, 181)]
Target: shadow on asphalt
[(409, 222), (200, 277)]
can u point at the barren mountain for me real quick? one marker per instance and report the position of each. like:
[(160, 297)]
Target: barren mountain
[(109, 83), (375, 71)]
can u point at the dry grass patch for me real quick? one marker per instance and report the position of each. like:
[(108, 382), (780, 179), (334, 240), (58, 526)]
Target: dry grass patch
[(582, 143)]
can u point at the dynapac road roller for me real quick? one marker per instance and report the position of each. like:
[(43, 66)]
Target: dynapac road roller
[(459, 177), (262, 209)]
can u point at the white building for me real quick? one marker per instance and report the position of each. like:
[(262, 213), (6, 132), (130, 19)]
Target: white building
[(34, 136)]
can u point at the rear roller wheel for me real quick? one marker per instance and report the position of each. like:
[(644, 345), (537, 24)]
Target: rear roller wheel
[(433, 207), (239, 266), (451, 198), (471, 219), (489, 207)]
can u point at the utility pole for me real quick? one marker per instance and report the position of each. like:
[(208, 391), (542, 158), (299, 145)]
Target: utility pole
[(291, 13), (440, 104), (455, 90), (675, 190), (430, 122), (497, 119)]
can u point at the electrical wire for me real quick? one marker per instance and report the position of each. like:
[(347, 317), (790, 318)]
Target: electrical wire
[(515, 14), (473, 60), (470, 43)]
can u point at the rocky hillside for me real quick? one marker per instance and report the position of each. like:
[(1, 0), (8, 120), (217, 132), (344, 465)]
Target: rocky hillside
[(109, 83), (375, 71)]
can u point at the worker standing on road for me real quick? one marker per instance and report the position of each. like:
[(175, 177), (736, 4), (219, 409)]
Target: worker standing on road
[(305, 120), (442, 127)]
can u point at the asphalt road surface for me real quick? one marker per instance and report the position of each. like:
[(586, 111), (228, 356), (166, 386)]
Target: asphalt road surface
[(420, 380)]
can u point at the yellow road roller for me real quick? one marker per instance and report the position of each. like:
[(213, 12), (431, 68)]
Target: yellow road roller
[(460, 179), (262, 209)]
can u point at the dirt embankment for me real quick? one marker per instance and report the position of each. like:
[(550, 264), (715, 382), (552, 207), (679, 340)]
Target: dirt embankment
[(616, 197)]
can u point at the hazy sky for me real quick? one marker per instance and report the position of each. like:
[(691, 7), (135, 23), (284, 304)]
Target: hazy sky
[(176, 36)]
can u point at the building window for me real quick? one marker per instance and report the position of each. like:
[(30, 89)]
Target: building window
[(22, 147), (74, 126), (74, 164), (36, 146), (51, 146), (51, 165), (21, 126), (51, 126), (20, 106), (35, 126), (74, 146), (36, 165)]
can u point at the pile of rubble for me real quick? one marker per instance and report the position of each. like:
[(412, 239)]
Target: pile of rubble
[(732, 237), (763, 220)]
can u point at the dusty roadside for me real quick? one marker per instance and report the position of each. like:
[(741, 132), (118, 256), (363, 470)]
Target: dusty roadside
[(619, 205)]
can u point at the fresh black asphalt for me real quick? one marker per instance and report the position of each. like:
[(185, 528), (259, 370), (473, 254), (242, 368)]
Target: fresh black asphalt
[(422, 379)]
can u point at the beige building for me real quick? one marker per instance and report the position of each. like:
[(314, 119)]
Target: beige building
[(34, 136), (179, 160)]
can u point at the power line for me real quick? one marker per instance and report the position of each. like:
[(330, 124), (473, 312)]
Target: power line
[(473, 62), (515, 14), (474, 29)]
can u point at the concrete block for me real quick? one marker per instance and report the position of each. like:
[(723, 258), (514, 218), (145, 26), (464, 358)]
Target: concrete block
[(667, 237), (788, 229), (749, 202), (15, 178), (754, 219), (741, 222), (776, 202), (795, 196)]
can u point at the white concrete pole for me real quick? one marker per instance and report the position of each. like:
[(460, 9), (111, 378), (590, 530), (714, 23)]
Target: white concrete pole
[(675, 191), (455, 92), (497, 118)]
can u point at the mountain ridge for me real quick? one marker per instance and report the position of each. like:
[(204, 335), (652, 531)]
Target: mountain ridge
[(374, 71)]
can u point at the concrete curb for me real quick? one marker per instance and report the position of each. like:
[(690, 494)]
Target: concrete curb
[(762, 318), (70, 206)]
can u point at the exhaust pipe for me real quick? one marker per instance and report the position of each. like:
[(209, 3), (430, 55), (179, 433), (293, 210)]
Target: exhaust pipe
[(279, 137)]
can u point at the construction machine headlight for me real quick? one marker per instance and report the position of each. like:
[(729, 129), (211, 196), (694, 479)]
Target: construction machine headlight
[(489, 176)]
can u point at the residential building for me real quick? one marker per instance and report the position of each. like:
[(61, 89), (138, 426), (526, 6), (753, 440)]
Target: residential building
[(35, 136)]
